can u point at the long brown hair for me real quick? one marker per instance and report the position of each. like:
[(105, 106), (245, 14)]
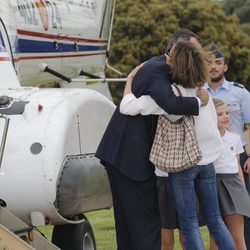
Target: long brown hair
[(188, 63)]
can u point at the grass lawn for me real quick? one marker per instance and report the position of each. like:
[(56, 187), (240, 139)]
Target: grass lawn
[(104, 230)]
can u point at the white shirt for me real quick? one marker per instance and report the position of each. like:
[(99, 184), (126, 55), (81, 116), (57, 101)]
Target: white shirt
[(227, 163), (208, 136)]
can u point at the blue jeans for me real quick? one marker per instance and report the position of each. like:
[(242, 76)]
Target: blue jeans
[(243, 158), (200, 181)]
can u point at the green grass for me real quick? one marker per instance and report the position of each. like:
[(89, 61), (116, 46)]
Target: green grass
[(104, 230)]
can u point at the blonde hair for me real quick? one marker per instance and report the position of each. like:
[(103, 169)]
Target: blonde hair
[(218, 102), (188, 64)]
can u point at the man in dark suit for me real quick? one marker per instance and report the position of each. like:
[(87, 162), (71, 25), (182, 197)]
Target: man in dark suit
[(124, 151)]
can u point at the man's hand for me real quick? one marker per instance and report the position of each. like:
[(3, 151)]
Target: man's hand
[(246, 167), (203, 95)]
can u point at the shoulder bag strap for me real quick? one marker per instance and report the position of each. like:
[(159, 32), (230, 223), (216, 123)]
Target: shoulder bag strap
[(178, 89), (180, 94)]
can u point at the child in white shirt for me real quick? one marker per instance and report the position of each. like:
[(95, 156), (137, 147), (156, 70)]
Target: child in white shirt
[(232, 194)]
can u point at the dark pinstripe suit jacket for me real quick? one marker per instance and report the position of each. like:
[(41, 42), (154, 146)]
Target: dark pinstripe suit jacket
[(127, 140)]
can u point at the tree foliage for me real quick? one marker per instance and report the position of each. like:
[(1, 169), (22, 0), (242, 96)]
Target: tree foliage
[(241, 8), (142, 29)]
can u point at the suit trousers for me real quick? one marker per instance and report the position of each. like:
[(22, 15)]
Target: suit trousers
[(136, 212)]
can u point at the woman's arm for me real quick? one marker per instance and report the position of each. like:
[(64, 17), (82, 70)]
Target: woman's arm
[(144, 105), (128, 86), (130, 105)]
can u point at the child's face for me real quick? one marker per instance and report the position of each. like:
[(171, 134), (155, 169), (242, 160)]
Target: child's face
[(222, 116)]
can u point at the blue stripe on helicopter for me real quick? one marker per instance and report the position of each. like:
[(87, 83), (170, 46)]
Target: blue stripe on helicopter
[(32, 46)]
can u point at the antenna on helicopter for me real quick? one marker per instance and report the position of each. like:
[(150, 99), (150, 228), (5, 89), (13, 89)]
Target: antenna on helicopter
[(45, 68), (84, 73)]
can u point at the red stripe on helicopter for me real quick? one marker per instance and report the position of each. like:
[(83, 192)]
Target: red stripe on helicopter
[(58, 37), (4, 59)]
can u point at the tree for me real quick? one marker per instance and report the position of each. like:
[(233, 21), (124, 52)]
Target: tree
[(142, 29), (241, 8)]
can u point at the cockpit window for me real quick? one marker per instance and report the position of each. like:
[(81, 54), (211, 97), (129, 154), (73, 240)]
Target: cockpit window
[(2, 45)]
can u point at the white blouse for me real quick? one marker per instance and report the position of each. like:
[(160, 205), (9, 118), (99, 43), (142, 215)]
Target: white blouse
[(208, 136), (227, 163)]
